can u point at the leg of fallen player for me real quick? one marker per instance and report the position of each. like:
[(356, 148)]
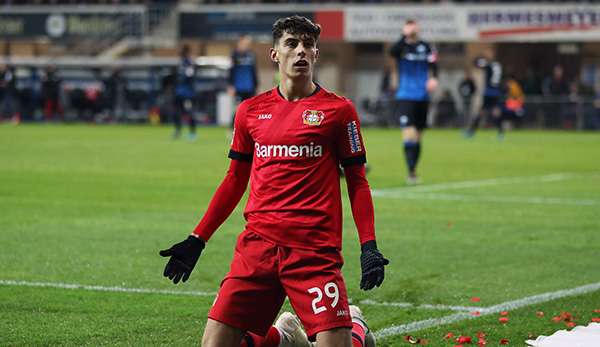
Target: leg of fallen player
[(339, 337), (217, 334)]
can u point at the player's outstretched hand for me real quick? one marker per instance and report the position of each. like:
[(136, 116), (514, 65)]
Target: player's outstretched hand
[(372, 265), (184, 256)]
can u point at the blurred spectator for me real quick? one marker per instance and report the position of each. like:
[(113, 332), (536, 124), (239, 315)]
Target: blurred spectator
[(167, 95), (8, 92), (556, 84), (532, 84), (243, 79), (30, 95), (515, 100), (114, 94), (446, 109), (466, 89), (556, 90), (492, 93), (51, 84), (184, 94)]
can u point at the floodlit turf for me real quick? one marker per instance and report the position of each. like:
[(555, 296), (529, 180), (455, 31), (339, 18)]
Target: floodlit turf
[(92, 205)]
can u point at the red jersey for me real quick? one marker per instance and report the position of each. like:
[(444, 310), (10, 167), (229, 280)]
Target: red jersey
[(295, 148)]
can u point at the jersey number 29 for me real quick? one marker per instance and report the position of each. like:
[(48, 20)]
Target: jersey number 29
[(331, 291)]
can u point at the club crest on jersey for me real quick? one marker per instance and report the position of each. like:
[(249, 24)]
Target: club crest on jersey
[(312, 117)]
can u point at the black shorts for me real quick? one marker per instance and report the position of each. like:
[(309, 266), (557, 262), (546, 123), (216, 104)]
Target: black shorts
[(411, 113), (491, 102)]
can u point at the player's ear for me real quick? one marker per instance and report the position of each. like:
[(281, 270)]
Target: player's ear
[(273, 55), (316, 54)]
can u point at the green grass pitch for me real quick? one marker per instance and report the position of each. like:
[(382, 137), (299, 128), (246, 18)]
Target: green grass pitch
[(92, 205)]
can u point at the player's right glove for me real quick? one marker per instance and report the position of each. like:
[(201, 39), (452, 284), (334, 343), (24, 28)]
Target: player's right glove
[(372, 265), (184, 256)]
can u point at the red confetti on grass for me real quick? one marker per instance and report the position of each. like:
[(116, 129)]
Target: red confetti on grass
[(476, 313), (458, 345), (504, 313), (464, 339), (475, 299), (571, 324), (503, 320), (480, 335), (449, 336), (481, 342), (556, 319), (450, 224), (596, 320), (566, 316), (597, 311), (539, 314), (504, 342), (423, 341)]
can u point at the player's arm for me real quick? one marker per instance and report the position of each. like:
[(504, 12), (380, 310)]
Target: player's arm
[(395, 56), (352, 152), (371, 260), (432, 65), (184, 255)]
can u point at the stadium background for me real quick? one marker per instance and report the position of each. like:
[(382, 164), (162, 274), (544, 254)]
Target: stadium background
[(85, 208), (87, 42)]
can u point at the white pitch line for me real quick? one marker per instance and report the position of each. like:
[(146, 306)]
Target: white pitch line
[(536, 200), (423, 306), (484, 311), (478, 183), (386, 332), (102, 288), (193, 293)]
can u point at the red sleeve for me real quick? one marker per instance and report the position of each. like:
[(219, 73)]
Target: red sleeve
[(361, 202), (242, 144), (226, 198), (350, 146)]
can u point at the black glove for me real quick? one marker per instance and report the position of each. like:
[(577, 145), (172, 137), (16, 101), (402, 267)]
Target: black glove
[(184, 256), (371, 264)]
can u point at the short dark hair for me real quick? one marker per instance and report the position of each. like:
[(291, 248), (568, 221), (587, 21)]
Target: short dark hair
[(410, 21), (295, 25)]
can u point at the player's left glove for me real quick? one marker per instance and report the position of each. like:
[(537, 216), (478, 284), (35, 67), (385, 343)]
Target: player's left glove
[(184, 256), (371, 264)]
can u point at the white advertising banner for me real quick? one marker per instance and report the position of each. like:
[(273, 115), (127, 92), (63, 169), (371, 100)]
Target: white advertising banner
[(532, 22), (452, 23), (384, 23)]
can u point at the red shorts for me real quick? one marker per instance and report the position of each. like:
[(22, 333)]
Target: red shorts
[(262, 274)]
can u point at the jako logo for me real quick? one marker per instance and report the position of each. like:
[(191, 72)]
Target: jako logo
[(310, 151), (340, 313), (265, 116)]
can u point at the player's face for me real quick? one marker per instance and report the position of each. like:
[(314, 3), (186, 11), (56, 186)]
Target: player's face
[(296, 55), (410, 30), (244, 43)]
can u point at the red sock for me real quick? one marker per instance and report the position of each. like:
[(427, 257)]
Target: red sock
[(358, 335), (272, 339)]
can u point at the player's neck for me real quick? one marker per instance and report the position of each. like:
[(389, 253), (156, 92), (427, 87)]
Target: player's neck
[(293, 90), (411, 39)]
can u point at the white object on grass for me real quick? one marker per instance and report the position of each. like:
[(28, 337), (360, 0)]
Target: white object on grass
[(580, 336)]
